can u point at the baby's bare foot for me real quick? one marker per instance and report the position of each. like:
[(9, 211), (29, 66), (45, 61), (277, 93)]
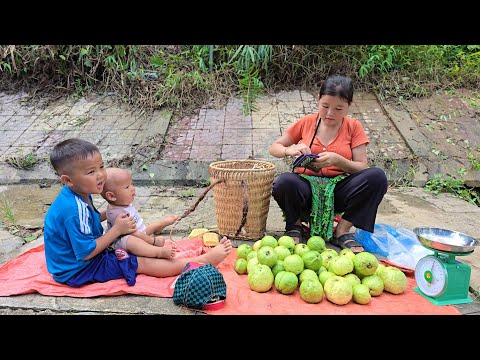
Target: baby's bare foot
[(167, 252), (219, 252), (225, 241)]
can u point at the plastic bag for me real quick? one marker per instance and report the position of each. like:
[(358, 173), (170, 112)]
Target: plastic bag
[(398, 245)]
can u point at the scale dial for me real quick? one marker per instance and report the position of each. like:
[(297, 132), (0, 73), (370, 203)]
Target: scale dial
[(431, 276)]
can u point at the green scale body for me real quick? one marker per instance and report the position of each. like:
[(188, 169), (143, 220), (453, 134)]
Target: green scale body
[(442, 279)]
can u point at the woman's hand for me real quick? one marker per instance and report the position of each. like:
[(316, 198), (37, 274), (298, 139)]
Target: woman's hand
[(297, 150), (326, 159)]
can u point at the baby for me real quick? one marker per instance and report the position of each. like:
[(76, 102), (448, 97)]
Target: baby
[(119, 192)]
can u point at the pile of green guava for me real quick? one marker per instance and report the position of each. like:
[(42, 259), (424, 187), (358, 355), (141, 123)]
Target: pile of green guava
[(315, 271)]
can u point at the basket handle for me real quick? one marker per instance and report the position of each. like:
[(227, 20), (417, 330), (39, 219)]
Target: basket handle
[(202, 196)]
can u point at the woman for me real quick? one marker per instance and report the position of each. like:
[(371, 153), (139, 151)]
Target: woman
[(340, 180)]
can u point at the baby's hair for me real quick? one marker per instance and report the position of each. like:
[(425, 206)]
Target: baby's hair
[(340, 86), (70, 150), (112, 179)]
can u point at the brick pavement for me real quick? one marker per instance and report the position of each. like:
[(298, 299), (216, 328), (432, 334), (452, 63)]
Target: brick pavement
[(228, 134), (209, 135)]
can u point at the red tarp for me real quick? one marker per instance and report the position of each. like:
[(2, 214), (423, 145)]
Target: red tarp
[(28, 274)]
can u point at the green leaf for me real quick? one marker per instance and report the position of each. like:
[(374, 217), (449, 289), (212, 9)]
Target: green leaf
[(30, 238)]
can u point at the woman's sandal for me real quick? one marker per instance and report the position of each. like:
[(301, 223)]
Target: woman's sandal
[(295, 234), (346, 241)]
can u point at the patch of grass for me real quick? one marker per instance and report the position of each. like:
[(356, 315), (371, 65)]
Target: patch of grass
[(25, 162), (8, 217), (188, 193), (203, 183), (183, 78), (406, 180), (439, 184), (474, 162)]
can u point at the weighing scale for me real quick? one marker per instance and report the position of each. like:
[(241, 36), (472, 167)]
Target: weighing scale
[(440, 278)]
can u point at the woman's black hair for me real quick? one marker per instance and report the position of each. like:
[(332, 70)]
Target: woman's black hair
[(340, 86)]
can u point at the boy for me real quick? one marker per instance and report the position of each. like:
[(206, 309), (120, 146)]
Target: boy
[(119, 192), (75, 244)]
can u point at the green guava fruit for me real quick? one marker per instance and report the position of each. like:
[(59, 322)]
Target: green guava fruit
[(360, 276), (267, 256), (288, 242), (257, 245), (365, 263), (311, 291), (243, 250), (322, 268), (251, 255), (338, 290), (316, 243), (277, 267), (374, 283), (330, 281), (240, 266), (340, 265), (282, 252), (324, 276), (327, 257), (300, 249), (286, 282), (347, 252), (269, 240), (394, 280), (379, 269), (361, 294), (294, 263), (352, 279), (333, 252), (308, 274), (251, 264), (312, 260), (260, 279)]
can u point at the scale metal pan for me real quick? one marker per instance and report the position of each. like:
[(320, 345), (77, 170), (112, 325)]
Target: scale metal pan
[(445, 240)]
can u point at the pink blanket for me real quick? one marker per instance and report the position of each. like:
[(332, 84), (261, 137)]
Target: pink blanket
[(28, 273)]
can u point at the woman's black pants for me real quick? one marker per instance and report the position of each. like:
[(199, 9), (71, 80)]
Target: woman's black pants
[(357, 197)]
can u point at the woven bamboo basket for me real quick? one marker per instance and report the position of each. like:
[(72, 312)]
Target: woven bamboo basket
[(228, 196)]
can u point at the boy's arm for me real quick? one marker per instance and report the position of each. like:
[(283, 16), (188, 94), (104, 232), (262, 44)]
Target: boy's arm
[(103, 214), (124, 224)]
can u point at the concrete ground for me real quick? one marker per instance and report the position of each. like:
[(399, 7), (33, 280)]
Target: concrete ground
[(169, 159)]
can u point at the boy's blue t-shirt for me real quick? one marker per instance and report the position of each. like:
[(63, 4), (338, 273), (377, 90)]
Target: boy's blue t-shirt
[(70, 229)]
